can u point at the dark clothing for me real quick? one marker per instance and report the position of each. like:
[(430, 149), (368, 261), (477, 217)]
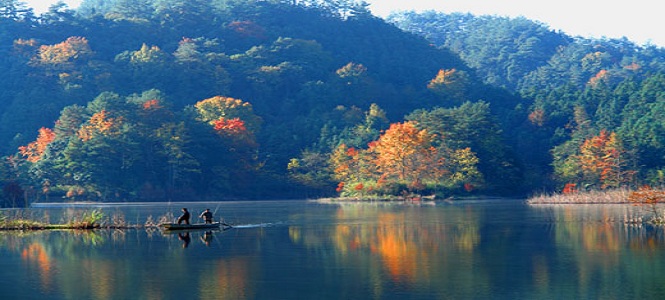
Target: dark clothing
[(207, 216), (184, 217)]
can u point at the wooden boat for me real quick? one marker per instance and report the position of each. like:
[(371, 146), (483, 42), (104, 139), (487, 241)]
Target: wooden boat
[(175, 226)]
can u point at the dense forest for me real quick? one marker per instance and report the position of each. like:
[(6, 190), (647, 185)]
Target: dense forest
[(156, 100)]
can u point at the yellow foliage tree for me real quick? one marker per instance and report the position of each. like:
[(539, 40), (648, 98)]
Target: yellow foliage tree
[(449, 84), (213, 109), (63, 53), (405, 153), (99, 123)]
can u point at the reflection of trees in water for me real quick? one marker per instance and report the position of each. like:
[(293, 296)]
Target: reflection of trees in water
[(108, 264), (602, 231), (404, 246), (645, 239), (228, 277), (605, 252), (36, 257)]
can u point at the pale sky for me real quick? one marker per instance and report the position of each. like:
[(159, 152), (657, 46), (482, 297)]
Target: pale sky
[(638, 20)]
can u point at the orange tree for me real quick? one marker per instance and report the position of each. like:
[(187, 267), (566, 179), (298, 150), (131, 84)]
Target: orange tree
[(602, 158), (403, 158), (597, 160)]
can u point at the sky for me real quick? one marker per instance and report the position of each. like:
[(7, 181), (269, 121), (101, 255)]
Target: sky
[(638, 20)]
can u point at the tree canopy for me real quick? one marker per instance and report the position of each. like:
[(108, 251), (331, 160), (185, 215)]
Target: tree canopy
[(174, 99)]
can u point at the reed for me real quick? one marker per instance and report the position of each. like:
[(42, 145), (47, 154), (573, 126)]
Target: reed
[(616, 196), (651, 200), (93, 219)]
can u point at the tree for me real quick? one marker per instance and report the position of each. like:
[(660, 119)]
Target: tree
[(33, 151), (64, 54), (182, 167), (450, 85), (473, 126), (602, 160), (405, 154), (402, 159), (187, 52), (131, 10), (14, 10), (213, 109), (597, 160)]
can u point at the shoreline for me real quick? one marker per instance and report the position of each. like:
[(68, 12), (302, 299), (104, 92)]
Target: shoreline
[(38, 227)]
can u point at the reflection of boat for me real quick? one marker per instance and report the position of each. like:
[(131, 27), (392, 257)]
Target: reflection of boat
[(175, 226)]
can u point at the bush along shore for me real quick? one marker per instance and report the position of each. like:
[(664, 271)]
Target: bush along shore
[(651, 199), (86, 220)]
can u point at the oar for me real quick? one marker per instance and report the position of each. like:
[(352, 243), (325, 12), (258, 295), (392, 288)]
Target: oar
[(221, 222), (226, 224)]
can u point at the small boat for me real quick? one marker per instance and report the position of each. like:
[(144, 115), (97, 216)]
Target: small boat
[(175, 226)]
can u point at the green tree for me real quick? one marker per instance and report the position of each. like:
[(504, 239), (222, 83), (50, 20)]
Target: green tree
[(473, 126)]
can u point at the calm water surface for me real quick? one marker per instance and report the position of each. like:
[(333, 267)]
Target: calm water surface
[(494, 249)]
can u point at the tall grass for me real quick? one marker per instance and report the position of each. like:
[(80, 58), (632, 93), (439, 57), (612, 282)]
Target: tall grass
[(87, 219), (617, 196), (651, 200)]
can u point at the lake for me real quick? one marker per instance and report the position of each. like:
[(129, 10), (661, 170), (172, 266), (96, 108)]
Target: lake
[(485, 249)]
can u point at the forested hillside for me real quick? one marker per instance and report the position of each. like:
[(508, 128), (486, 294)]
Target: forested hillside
[(190, 100), (595, 104)]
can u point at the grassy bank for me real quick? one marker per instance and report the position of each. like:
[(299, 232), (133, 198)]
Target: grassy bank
[(84, 220)]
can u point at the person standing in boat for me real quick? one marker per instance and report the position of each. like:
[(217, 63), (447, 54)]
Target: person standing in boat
[(184, 217), (206, 215)]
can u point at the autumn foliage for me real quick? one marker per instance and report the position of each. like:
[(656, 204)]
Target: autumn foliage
[(405, 153), (152, 105), (450, 84), (404, 158), (228, 112), (66, 52), (231, 127), (601, 158), (247, 29), (648, 197), (537, 117), (34, 150), (138, 147), (99, 124), (569, 188)]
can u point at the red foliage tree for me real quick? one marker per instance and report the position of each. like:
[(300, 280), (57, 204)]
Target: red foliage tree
[(233, 127)]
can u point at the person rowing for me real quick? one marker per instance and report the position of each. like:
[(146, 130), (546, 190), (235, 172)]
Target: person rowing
[(206, 215)]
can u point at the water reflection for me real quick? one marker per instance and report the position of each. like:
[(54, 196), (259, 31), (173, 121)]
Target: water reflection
[(207, 237), (413, 247), (605, 255), (116, 264), (35, 256), (363, 251), (228, 277), (185, 238)]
